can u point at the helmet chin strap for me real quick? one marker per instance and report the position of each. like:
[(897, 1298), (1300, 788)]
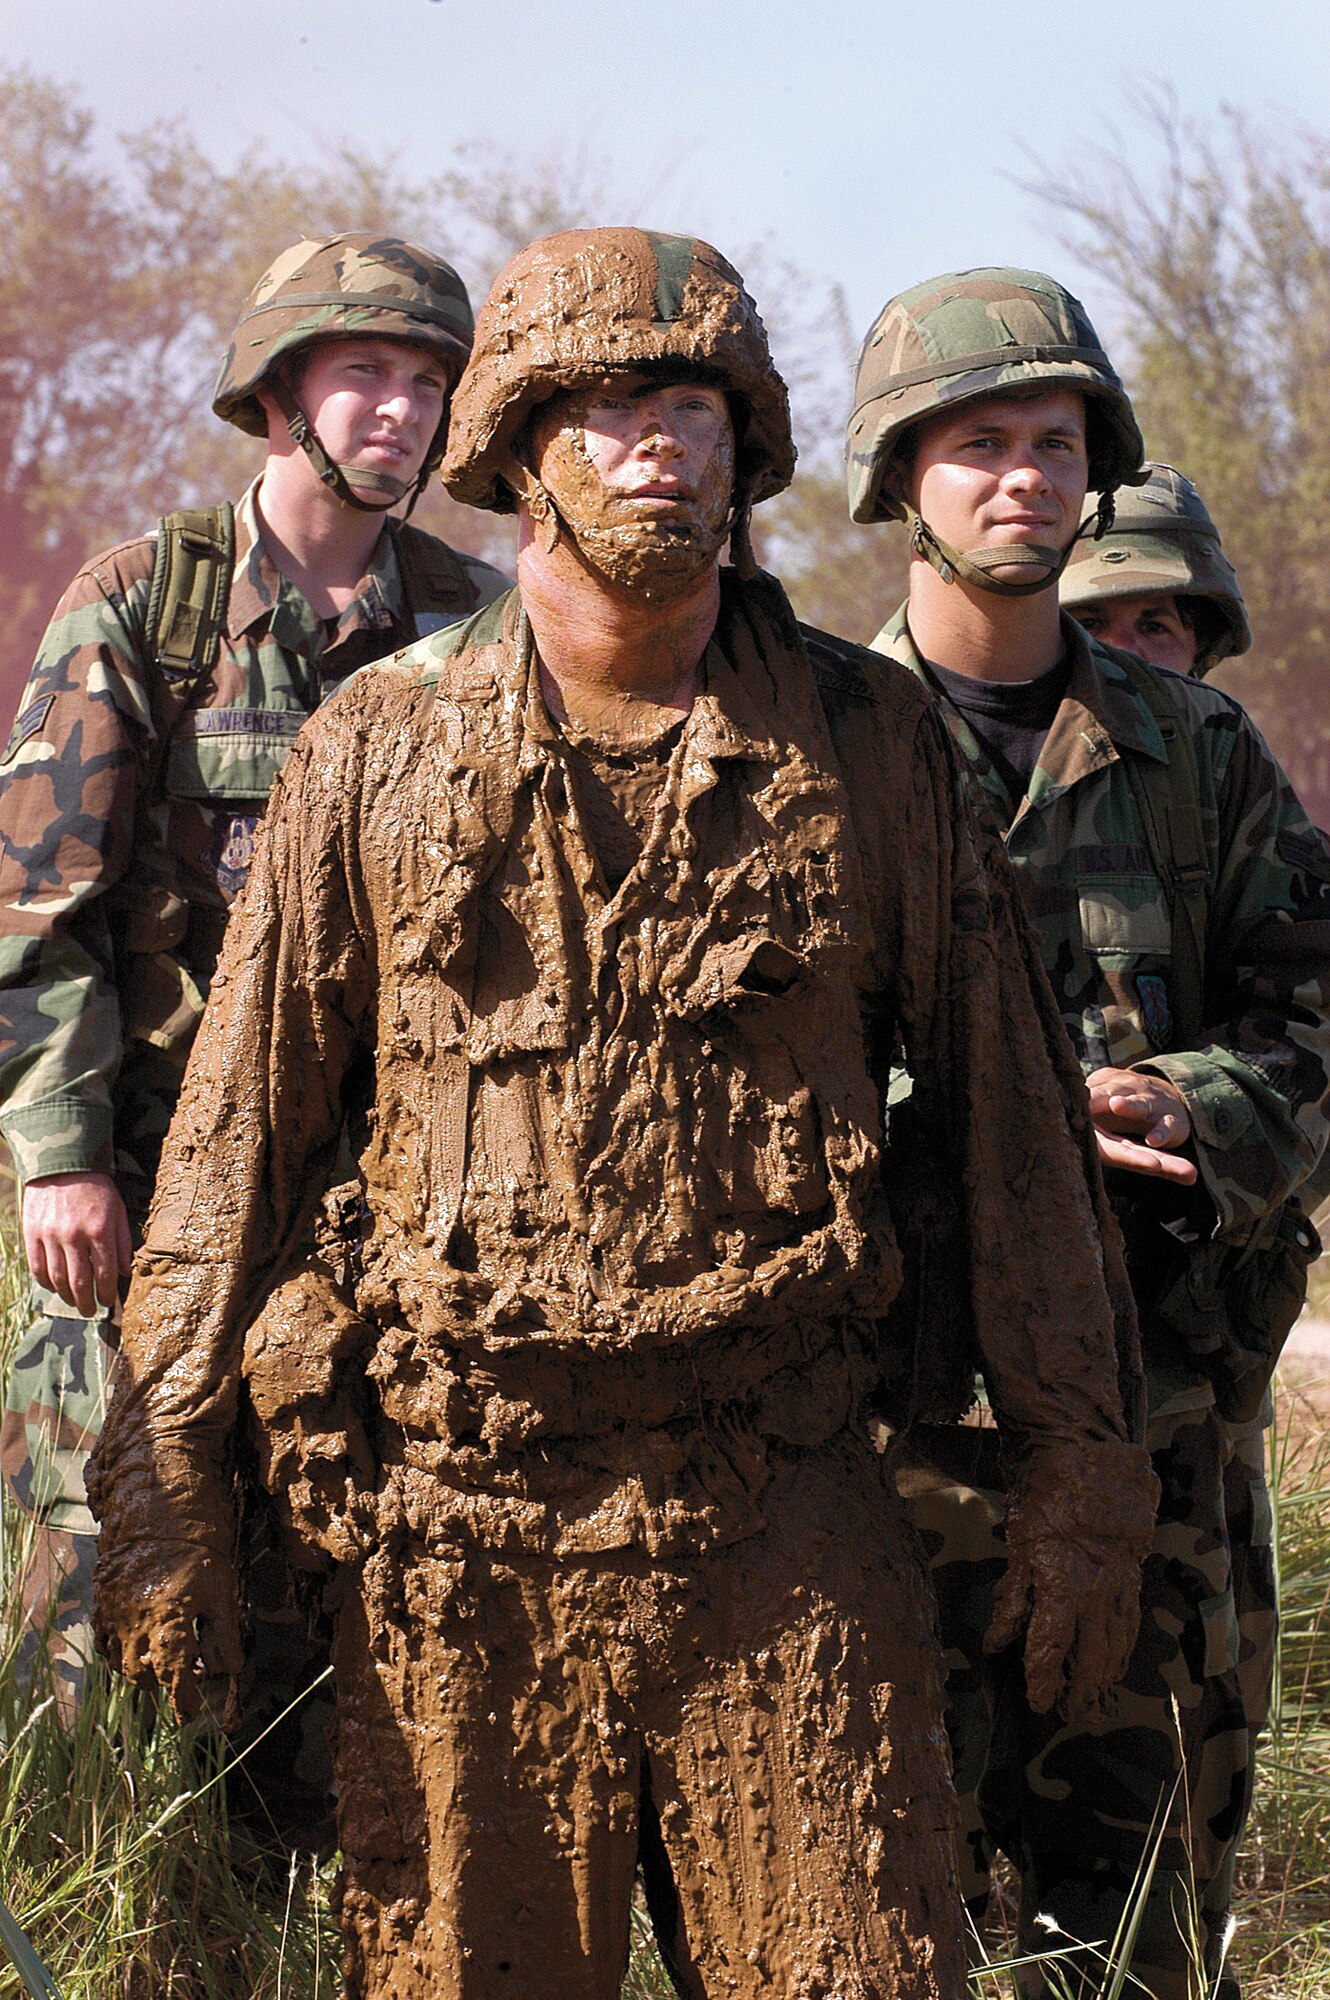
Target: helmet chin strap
[(333, 475), (1044, 564)]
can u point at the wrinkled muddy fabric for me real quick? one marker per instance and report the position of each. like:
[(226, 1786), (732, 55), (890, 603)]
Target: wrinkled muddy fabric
[(625, 1247), (750, 1722)]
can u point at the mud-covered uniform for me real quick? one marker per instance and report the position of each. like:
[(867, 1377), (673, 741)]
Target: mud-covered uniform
[(128, 812), (616, 1564), (1074, 1806)]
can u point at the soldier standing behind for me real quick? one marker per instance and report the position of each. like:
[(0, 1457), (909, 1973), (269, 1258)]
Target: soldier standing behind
[(1183, 905), (167, 694)]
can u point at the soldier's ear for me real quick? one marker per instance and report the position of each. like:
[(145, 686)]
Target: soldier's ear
[(899, 475)]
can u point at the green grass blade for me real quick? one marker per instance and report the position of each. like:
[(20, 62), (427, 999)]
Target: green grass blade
[(25, 1960)]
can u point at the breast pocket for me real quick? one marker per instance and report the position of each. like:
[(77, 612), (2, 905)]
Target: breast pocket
[(1127, 934), (230, 753)]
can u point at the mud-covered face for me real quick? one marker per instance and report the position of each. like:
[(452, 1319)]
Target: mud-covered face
[(1151, 624), (1005, 469), (642, 474)]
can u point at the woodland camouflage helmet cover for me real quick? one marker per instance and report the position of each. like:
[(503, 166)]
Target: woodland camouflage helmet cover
[(369, 284), (978, 333), (1163, 541), (349, 284), (574, 306)]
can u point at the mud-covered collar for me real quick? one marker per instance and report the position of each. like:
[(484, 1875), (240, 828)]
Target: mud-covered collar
[(259, 590)]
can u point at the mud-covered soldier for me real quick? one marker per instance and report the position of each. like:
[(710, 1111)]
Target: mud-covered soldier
[(606, 909), (136, 776), (1181, 899)]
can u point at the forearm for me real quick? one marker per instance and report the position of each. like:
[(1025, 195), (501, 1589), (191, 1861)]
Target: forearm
[(60, 1053)]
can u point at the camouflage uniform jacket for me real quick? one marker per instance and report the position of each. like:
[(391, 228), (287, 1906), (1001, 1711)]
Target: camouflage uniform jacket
[(622, 1154), (1258, 1090), (127, 822)]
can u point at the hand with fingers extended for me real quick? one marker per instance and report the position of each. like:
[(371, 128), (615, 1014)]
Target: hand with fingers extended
[(76, 1238), (1078, 1528), (1140, 1121)]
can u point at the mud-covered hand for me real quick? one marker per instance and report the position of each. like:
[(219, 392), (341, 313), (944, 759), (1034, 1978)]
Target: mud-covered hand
[(168, 1616), (1078, 1529)]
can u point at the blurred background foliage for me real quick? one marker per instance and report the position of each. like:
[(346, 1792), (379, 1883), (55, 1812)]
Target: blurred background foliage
[(1203, 252)]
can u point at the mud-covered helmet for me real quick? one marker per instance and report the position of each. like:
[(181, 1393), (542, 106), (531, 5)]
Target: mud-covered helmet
[(1163, 542), (574, 306), (980, 333), (356, 283)]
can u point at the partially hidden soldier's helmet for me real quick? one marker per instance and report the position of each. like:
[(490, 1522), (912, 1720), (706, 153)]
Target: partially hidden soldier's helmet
[(574, 306), (357, 283), (1164, 541), (979, 333)]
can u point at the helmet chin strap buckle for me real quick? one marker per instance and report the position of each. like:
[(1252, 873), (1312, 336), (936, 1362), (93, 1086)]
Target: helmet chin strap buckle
[(925, 543)]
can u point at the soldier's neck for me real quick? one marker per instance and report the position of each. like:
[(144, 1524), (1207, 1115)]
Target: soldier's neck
[(976, 632), (321, 545), (616, 657)]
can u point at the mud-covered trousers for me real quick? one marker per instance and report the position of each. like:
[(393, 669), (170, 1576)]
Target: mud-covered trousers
[(1076, 1809), (760, 1725)]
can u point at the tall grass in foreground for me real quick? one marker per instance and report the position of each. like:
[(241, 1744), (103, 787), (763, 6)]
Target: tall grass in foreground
[(1284, 1877), (119, 1858)]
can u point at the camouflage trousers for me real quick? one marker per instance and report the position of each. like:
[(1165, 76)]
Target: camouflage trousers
[(1079, 1809), (55, 1403)]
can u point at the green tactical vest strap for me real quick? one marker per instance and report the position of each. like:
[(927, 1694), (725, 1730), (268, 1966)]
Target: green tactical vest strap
[(191, 583), (1168, 797)]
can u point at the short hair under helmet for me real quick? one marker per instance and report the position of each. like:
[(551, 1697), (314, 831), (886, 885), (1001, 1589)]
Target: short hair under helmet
[(1163, 541), (355, 283), (575, 306)]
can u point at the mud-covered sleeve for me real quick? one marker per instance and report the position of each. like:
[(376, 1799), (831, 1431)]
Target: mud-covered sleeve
[(70, 784), (249, 1154), (1258, 1090), (994, 1075)]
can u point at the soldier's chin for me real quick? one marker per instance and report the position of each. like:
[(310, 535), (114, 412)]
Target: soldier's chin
[(651, 557)]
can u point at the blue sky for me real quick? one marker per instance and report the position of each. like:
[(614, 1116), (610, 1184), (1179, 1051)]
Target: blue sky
[(871, 143)]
